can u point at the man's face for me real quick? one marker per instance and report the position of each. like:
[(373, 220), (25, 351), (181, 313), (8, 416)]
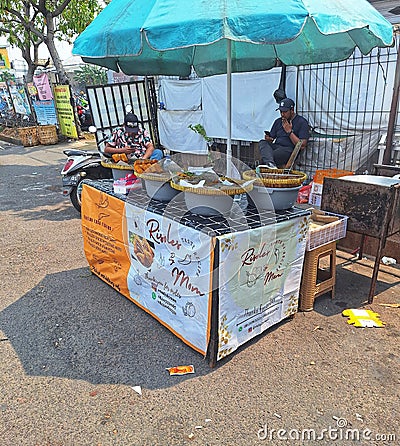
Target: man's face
[(287, 115)]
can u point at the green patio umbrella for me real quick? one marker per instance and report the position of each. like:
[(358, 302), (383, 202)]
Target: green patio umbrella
[(170, 37)]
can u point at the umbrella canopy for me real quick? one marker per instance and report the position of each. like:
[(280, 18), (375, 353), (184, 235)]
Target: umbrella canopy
[(171, 36)]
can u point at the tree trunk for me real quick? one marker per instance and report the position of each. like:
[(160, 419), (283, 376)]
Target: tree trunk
[(31, 65), (30, 73), (49, 41)]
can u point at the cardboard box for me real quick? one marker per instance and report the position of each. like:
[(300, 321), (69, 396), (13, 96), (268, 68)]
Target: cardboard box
[(315, 199), (317, 188)]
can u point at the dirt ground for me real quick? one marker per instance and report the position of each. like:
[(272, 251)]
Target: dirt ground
[(72, 348)]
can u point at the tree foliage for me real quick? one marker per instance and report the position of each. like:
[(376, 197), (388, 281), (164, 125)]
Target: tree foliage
[(91, 75), (28, 23)]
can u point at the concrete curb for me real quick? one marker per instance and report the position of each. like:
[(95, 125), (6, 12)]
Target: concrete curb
[(11, 140)]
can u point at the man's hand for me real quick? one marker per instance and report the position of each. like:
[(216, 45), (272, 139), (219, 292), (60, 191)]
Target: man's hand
[(287, 125), (267, 136)]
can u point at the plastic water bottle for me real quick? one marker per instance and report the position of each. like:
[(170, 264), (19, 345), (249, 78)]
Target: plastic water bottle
[(170, 165), (167, 161)]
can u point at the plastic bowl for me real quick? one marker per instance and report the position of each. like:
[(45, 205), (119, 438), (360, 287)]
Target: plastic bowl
[(159, 190), (120, 173), (269, 198), (208, 205)]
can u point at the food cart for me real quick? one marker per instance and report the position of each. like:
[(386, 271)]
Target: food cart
[(215, 281)]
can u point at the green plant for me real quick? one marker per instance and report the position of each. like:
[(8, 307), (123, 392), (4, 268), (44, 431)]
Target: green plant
[(198, 128)]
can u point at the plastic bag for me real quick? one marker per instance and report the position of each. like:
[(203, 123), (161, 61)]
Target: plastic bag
[(304, 194)]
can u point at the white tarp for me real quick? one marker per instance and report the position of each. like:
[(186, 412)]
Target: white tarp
[(330, 105), (180, 95), (173, 127), (253, 103), (346, 153), (253, 107)]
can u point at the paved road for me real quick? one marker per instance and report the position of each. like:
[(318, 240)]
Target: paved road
[(72, 348)]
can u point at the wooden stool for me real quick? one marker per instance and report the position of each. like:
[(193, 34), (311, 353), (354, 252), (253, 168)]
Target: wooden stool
[(317, 281)]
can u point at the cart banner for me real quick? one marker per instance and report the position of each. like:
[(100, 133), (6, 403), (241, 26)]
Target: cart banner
[(65, 111), (158, 263), (260, 281), (170, 273), (102, 230), (4, 60)]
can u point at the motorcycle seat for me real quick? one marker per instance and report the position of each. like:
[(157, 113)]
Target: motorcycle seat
[(76, 152)]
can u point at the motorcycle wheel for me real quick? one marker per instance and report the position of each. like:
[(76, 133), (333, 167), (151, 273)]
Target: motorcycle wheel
[(76, 192)]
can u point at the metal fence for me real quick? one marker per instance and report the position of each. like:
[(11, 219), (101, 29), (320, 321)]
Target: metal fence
[(348, 106)]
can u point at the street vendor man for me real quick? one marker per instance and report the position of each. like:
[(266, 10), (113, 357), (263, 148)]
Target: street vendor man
[(278, 144), (133, 141)]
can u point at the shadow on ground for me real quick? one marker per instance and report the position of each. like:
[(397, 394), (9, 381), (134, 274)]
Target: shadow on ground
[(353, 281), (66, 327), (40, 193)]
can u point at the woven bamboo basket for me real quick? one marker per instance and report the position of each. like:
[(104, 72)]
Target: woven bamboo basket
[(28, 136), (47, 134), (239, 187), (161, 177), (118, 170), (275, 177), (111, 165)]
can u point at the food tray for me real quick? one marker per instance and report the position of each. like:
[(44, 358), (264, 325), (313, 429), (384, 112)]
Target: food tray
[(320, 234), (275, 177), (237, 188)]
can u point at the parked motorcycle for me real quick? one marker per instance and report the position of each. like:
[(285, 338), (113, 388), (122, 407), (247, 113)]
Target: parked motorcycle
[(82, 164), (85, 117)]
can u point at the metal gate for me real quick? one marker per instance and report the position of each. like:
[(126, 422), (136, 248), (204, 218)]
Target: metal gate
[(108, 104)]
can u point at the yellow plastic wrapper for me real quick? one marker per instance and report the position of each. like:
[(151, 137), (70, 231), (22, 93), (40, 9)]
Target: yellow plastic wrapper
[(181, 370)]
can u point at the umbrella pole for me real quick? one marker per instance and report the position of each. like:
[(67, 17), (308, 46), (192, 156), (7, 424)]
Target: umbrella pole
[(229, 107)]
